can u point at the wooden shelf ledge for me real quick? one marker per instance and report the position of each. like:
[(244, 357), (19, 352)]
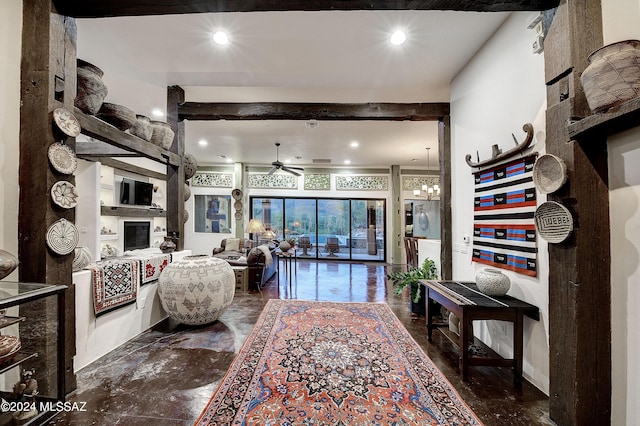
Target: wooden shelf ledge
[(131, 211), (623, 117), (105, 132)]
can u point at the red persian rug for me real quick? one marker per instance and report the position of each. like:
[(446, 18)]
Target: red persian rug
[(326, 363)]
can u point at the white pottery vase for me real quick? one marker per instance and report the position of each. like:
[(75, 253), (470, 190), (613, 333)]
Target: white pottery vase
[(196, 290), (81, 258), (492, 282), (285, 246)]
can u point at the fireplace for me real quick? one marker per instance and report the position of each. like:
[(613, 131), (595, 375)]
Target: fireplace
[(137, 235)]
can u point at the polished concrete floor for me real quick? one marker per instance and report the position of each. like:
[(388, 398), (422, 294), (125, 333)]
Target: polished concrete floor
[(166, 375)]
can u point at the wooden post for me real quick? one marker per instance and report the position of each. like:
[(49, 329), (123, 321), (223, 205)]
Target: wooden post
[(175, 174), (48, 73), (579, 275), (446, 235)]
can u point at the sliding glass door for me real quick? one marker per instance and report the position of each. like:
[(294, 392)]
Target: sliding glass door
[(326, 228)]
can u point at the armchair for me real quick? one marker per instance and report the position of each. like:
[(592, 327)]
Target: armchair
[(332, 246)]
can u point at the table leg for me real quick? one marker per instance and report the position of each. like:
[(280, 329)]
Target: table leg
[(517, 349), (429, 315), (465, 330)]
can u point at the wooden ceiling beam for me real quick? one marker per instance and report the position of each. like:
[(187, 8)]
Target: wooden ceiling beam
[(312, 111), (109, 8)]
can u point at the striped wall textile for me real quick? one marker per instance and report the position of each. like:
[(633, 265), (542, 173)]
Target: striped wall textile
[(504, 234)]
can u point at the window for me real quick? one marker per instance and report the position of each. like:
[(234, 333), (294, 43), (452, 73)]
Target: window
[(332, 228)]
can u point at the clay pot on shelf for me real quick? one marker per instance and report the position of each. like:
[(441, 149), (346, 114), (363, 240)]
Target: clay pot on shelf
[(162, 134), (612, 76), (493, 282), (142, 128), (117, 115), (196, 289), (8, 263), (91, 90)]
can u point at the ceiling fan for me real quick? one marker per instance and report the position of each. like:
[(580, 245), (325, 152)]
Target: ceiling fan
[(277, 165)]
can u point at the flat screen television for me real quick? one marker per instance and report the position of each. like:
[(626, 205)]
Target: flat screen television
[(134, 192)]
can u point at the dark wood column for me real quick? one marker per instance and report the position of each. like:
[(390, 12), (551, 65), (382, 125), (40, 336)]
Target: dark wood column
[(175, 174), (446, 237), (48, 73), (579, 277)]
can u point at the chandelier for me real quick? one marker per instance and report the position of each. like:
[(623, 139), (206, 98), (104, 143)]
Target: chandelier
[(430, 191)]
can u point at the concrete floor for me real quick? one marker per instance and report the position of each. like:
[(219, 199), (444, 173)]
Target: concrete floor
[(166, 375)]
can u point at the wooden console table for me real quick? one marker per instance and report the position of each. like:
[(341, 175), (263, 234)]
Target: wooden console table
[(469, 304)]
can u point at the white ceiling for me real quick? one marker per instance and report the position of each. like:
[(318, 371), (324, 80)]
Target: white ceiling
[(291, 57)]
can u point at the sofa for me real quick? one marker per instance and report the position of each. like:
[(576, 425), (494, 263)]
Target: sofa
[(240, 252)]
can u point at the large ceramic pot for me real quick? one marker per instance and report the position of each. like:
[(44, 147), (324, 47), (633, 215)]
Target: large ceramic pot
[(91, 90), (196, 289), (117, 115), (8, 263), (162, 134), (142, 128), (613, 75), (492, 282)]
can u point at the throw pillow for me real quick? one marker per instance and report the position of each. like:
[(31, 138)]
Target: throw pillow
[(232, 244)]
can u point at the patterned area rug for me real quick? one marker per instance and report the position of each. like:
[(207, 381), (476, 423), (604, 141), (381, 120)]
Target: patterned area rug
[(115, 284), (327, 363)]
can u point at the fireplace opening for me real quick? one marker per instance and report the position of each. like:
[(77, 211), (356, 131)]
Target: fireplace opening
[(137, 235)]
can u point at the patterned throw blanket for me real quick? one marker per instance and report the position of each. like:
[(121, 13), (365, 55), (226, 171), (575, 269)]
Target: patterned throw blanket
[(115, 284), (151, 265)]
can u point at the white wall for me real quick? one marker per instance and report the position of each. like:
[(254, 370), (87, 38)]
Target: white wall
[(497, 92), (10, 52), (624, 184), (621, 21)]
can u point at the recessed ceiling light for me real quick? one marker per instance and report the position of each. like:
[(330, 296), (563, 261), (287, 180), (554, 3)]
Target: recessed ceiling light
[(203, 142), (229, 160), (347, 161), (287, 161), (354, 144), (221, 38), (398, 38), (157, 112), (221, 156)]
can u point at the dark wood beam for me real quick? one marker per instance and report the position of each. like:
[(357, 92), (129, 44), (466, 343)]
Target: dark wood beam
[(312, 111), (94, 150), (48, 72), (175, 172), (446, 220), (106, 8), (579, 268)]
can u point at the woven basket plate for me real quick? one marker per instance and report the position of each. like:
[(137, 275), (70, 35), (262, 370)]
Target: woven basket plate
[(553, 222), (549, 173)]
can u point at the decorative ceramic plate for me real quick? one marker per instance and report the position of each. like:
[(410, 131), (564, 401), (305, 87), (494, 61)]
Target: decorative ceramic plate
[(62, 158), (236, 194), (549, 173), (66, 122), (64, 194), (238, 215), (237, 205), (553, 222), (62, 236)]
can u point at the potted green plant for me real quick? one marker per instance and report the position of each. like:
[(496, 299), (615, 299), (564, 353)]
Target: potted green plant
[(411, 277)]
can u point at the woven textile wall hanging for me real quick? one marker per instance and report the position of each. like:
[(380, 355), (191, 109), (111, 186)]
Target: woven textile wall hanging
[(504, 233)]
